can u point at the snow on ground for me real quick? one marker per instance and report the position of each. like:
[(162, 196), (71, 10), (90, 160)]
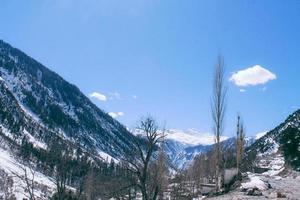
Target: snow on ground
[(254, 182), (275, 165), (276, 183), (11, 82), (6, 132), (34, 141), (16, 170), (288, 187), (107, 157), (199, 198)]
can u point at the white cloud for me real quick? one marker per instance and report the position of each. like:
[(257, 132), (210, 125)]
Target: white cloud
[(252, 76), (115, 115), (99, 96), (114, 95), (242, 90), (134, 97)]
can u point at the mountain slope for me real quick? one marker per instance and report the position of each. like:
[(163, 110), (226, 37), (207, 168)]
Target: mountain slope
[(284, 138), (272, 165), (48, 125), (37, 100)]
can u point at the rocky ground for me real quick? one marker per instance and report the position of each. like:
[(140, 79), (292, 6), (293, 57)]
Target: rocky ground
[(277, 183)]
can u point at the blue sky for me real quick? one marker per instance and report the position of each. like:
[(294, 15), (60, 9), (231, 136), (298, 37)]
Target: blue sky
[(157, 56)]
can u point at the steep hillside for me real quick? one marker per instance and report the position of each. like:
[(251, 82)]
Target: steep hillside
[(284, 138), (38, 102), (272, 165), (48, 125)]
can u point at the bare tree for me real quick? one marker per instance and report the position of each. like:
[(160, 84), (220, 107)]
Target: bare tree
[(6, 186), (61, 176), (141, 160), (218, 107), (242, 140), (238, 131), (89, 185), (28, 177), (162, 168), (240, 143)]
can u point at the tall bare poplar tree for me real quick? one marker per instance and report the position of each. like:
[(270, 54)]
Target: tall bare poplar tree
[(218, 107), (238, 131), (240, 143)]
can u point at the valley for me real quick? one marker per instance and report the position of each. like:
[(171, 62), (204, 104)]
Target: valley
[(56, 143)]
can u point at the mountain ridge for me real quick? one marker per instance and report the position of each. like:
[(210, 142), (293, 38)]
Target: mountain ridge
[(48, 99)]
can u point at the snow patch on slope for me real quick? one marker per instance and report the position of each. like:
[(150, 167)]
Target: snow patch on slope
[(107, 157), (11, 82), (16, 170), (6, 132), (34, 141), (260, 135)]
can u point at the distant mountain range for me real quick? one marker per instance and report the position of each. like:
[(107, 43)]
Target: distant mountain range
[(183, 146)]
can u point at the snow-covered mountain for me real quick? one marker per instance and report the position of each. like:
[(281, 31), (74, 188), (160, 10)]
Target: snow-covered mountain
[(191, 137), (42, 116), (179, 142), (183, 146), (39, 104), (285, 139)]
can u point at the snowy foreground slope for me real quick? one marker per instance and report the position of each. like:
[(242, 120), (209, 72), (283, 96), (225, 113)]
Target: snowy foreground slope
[(276, 183), (13, 180)]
